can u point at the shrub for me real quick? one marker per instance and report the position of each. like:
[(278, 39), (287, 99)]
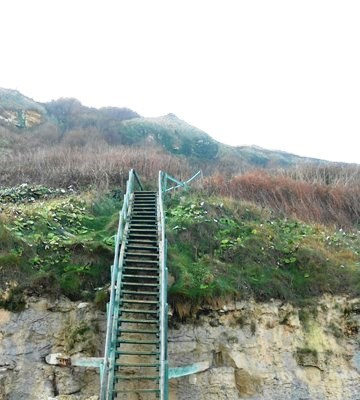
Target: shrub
[(97, 166), (311, 202)]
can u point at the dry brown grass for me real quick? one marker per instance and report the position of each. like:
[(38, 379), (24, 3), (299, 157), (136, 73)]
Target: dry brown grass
[(312, 202), (324, 174), (99, 165)]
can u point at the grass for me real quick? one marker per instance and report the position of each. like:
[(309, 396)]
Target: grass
[(62, 243), (220, 248), (95, 166), (311, 199)]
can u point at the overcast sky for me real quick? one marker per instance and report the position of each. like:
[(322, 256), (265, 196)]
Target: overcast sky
[(277, 74)]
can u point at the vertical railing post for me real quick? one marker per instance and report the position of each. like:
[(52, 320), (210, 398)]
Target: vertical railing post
[(163, 293)]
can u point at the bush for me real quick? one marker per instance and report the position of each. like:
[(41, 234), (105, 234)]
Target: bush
[(98, 166), (310, 202)]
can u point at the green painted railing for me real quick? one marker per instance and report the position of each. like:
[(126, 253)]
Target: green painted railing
[(163, 188), (178, 184), (107, 366), (106, 370), (164, 368)]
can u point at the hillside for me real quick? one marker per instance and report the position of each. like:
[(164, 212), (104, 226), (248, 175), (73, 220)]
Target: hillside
[(60, 242), (67, 121), (249, 234)]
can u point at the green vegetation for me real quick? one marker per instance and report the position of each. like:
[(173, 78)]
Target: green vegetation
[(219, 247), (59, 245), (56, 242), (174, 135), (67, 123), (289, 234), (28, 194), (14, 100)]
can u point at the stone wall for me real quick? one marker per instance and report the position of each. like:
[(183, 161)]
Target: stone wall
[(255, 351)]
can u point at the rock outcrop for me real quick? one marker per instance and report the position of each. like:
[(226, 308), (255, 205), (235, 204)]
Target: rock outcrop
[(17, 110), (255, 351), (271, 351)]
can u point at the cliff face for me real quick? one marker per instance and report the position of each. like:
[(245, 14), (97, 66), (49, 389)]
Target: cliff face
[(21, 118), (27, 337), (17, 110), (272, 351), (255, 351)]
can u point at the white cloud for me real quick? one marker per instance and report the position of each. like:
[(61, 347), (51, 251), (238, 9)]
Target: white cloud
[(279, 74)]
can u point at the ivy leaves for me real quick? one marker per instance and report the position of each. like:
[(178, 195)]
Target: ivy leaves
[(29, 193), (50, 227)]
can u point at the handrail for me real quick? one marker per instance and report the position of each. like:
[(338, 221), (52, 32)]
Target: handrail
[(138, 180), (179, 184), (163, 294), (107, 367), (106, 378), (164, 367)]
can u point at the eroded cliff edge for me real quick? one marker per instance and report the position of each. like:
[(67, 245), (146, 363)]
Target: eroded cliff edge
[(255, 351)]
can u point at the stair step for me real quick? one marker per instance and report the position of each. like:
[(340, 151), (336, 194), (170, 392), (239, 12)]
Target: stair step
[(136, 230), (139, 247), (142, 241), (134, 260), (141, 276), (149, 219), (136, 377), (142, 332), (129, 311), (130, 253), (138, 321), (145, 226), (141, 268), (140, 365), (150, 302), (140, 220), (137, 353), (140, 284), (133, 292), (144, 211), (115, 392), (129, 341), (144, 198), (141, 238), (133, 235), (143, 214)]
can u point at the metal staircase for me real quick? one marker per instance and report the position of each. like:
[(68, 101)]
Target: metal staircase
[(135, 364)]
